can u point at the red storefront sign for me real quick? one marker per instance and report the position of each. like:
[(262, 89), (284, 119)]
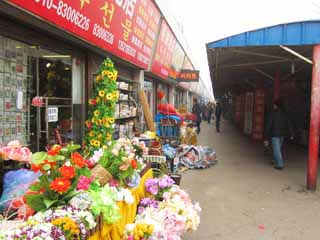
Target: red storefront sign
[(188, 76), (186, 65), (164, 52), (125, 28)]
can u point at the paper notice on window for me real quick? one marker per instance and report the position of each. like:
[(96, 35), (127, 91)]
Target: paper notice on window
[(19, 100)]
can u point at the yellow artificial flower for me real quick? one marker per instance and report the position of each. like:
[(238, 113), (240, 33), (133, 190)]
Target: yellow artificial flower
[(96, 113), (92, 142), (97, 99), (106, 124), (67, 224), (104, 147), (93, 120), (109, 137), (99, 122), (104, 73), (91, 133), (100, 136), (115, 94), (111, 120), (97, 143), (115, 76), (98, 78), (102, 93), (110, 75), (109, 96)]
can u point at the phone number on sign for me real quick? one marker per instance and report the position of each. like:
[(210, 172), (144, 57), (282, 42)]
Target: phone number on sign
[(67, 12)]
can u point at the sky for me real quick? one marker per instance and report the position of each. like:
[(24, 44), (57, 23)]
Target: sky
[(203, 21)]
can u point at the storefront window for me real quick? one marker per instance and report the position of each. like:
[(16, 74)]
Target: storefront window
[(27, 71)]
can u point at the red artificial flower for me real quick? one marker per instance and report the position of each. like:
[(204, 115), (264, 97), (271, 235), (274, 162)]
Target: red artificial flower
[(134, 164), (54, 150), (78, 160), (90, 164), (93, 102), (18, 202), (35, 168), (67, 171), (52, 164), (60, 185)]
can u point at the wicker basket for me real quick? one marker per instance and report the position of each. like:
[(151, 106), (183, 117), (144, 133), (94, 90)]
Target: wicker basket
[(101, 174)]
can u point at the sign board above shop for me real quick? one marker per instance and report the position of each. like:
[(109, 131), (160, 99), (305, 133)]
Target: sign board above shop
[(125, 28), (188, 76)]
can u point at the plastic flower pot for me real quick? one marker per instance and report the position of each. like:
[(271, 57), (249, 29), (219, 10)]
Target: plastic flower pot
[(176, 178)]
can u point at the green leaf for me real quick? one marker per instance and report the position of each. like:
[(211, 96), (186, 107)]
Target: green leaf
[(46, 167), (49, 202), (84, 172), (39, 157), (70, 195), (35, 202), (36, 187)]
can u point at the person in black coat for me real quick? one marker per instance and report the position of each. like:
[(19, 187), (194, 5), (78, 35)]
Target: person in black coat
[(278, 127), (196, 109), (218, 113)]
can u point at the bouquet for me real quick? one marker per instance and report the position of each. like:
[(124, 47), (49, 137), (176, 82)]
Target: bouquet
[(62, 172), (122, 160)]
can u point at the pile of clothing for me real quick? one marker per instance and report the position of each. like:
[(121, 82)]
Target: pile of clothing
[(195, 157)]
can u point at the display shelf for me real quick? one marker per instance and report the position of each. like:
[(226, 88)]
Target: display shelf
[(126, 90)]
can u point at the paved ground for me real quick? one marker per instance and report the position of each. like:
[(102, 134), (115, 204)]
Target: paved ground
[(244, 198)]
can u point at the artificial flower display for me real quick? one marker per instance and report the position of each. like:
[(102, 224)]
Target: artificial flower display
[(100, 125), (66, 222), (15, 151), (138, 231), (174, 215), (62, 170)]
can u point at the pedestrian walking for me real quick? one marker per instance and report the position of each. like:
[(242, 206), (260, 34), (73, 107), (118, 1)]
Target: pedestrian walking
[(218, 113), (210, 110), (278, 127), (196, 109)]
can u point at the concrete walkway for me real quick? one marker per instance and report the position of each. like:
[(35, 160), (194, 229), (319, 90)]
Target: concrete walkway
[(244, 198)]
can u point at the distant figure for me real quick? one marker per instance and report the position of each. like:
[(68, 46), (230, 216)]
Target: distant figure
[(278, 127), (204, 111), (196, 109), (210, 110), (218, 113)]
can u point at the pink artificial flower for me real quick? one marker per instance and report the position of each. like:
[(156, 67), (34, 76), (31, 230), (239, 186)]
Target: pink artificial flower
[(84, 183), (114, 183), (14, 144), (130, 237)]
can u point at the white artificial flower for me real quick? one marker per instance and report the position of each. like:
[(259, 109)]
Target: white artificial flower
[(130, 227)]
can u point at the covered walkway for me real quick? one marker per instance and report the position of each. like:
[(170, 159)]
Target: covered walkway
[(244, 198)]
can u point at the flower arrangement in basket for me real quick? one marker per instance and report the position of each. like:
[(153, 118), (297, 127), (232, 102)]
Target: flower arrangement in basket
[(101, 122), (16, 152), (122, 161), (63, 170)]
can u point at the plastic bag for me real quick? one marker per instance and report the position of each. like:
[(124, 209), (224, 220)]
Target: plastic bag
[(15, 184)]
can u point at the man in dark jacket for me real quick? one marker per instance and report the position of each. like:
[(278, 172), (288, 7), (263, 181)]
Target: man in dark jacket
[(278, 127), (196, 109), (218, 113)]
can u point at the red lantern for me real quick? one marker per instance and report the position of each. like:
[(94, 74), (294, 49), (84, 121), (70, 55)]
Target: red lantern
[(160, 95)]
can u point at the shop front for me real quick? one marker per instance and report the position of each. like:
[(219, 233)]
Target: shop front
[(42, 82)]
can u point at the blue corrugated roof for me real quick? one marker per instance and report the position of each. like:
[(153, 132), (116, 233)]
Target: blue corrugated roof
[(299, 33)]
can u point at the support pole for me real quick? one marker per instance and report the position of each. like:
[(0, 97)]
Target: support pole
[(312, 173), (276, 85)]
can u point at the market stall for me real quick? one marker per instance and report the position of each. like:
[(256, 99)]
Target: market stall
[(104, 189)]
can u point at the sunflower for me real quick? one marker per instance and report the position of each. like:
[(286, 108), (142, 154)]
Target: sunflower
[(99, 121), (106, 124), (104, 73), (92, 142), (96, 143), (109, 96), (102, 93), (115, 94), (96, 113), (110, 75), (93, 120), (109, 137), (111, 120), (98, 78), (91, 133), (115, 75)]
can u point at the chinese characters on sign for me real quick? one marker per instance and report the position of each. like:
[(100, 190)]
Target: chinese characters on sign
[(164, 52), (125, 28), (188, 76)]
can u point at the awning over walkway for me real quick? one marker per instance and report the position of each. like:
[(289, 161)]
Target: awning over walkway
[(241, 60)]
